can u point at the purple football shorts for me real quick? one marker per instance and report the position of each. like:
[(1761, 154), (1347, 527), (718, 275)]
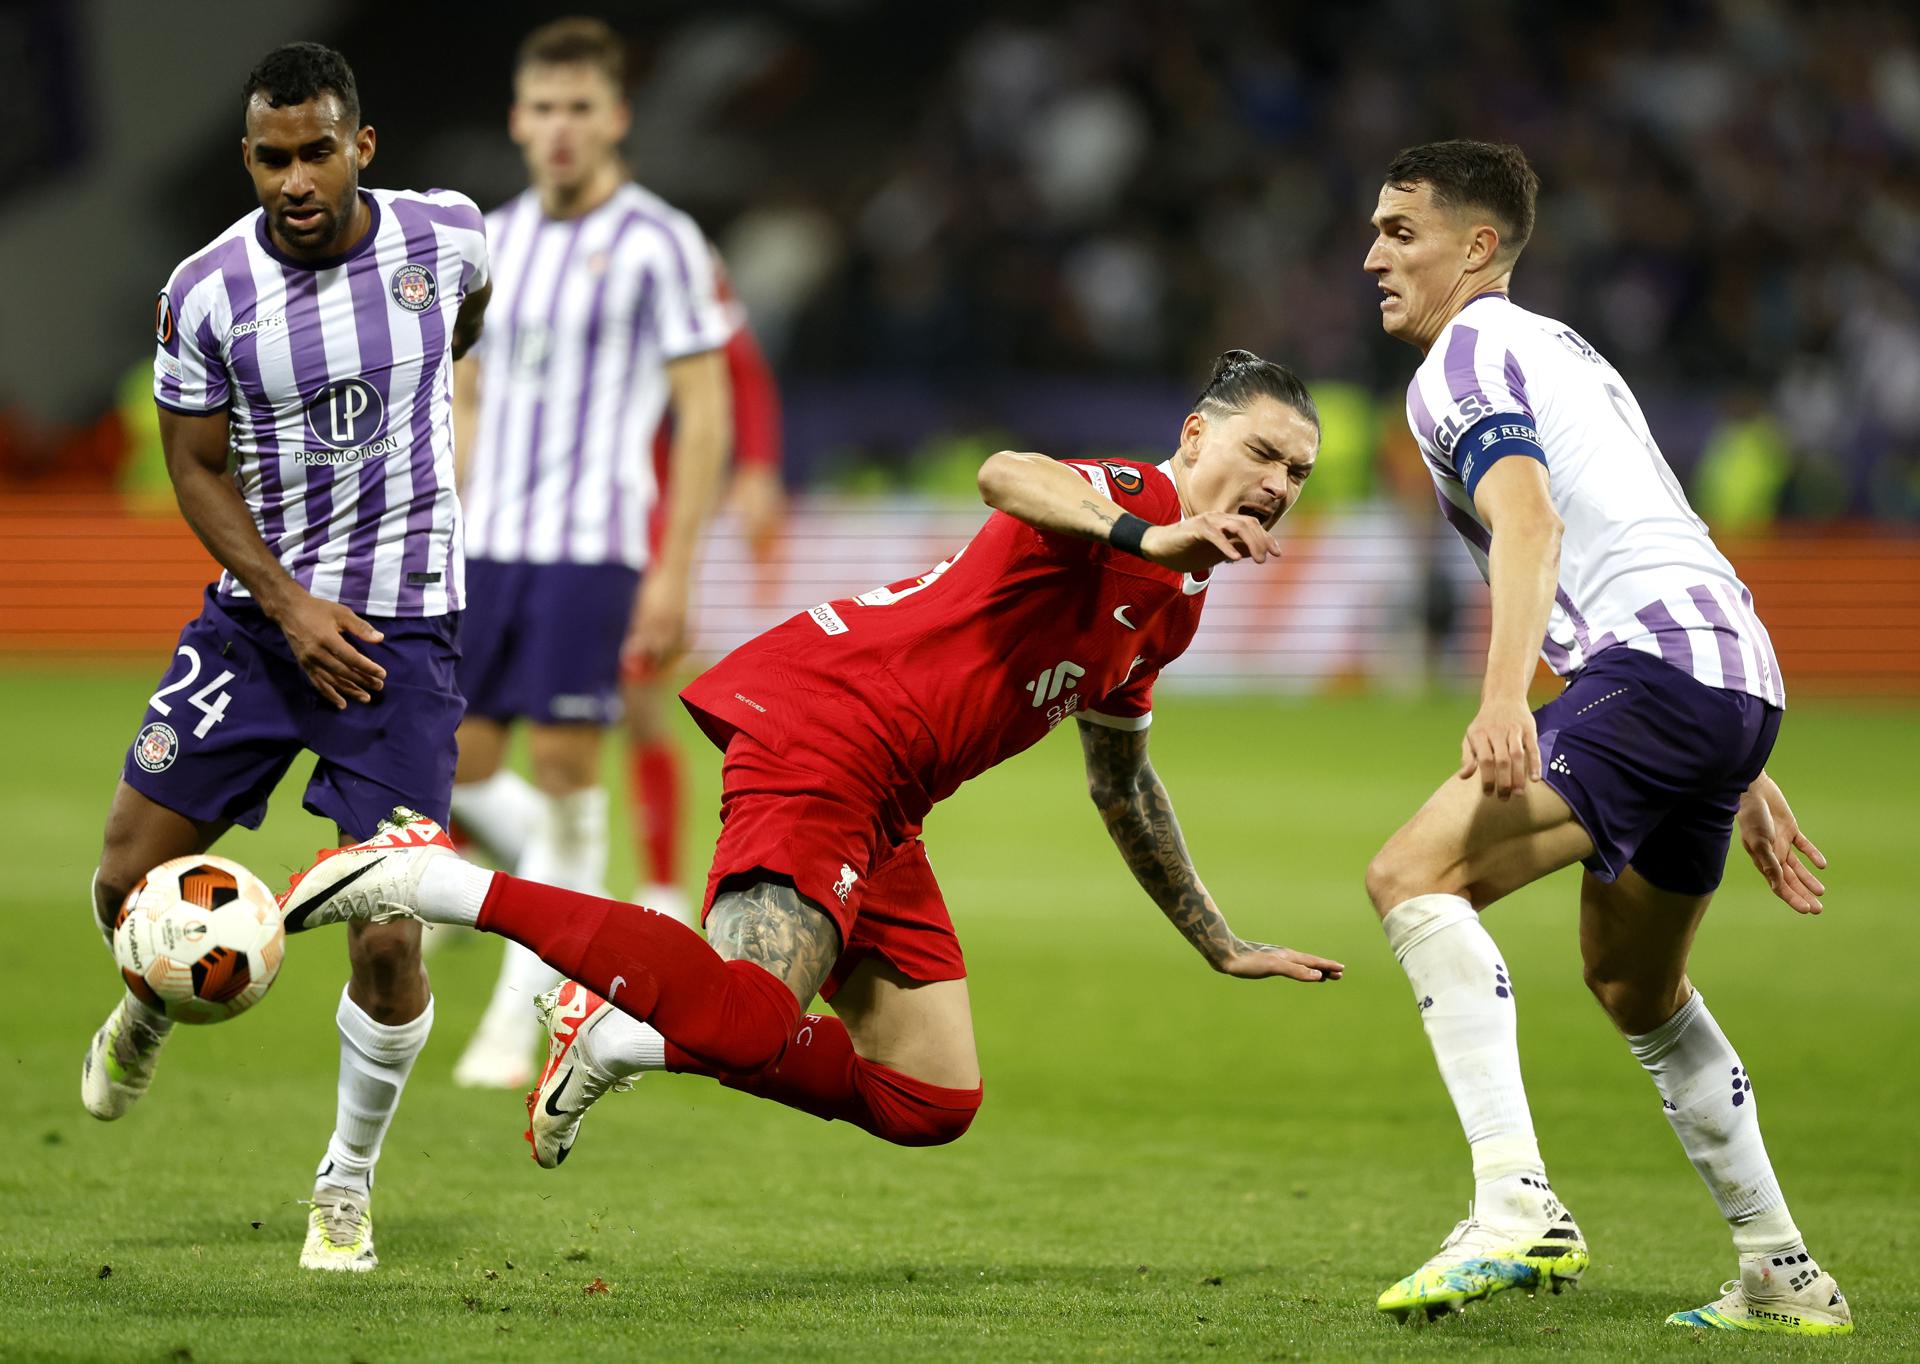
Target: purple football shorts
[(233, 710), (1653, 764), (541, 642)]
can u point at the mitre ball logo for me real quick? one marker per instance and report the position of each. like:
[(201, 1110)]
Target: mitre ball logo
[(414, 287)]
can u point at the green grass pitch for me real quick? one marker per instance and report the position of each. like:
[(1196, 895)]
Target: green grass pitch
[(1169, 1164)]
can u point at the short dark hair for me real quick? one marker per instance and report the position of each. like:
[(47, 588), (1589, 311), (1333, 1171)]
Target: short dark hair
[(297, 72), (1493, 176), (575, 41), (1240, 376)]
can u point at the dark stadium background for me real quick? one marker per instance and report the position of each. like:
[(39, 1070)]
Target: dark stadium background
[(959, 227)]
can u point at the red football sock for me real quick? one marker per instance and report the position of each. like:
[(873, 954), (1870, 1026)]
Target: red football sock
[(819, 1073), (735, 1015), (656, 784)]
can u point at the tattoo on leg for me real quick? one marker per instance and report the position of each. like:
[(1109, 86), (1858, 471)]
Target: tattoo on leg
[(778, 928)]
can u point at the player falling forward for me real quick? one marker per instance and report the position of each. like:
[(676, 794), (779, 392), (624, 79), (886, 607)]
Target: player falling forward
[(609, 315), (842, 728), (1544, 465), (311, 344)]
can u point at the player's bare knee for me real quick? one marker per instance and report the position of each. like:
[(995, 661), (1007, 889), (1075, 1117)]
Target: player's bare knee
[(1635, 1004), (1390, 880), (386, 968)]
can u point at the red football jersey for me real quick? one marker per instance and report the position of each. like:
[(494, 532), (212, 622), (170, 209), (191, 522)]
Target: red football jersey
[(931, 681)]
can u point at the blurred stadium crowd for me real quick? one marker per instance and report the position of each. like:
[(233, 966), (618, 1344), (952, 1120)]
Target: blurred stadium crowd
[(1029, 218)]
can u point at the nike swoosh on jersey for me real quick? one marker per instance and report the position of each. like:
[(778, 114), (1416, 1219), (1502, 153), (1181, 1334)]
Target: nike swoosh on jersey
[(1120, 614), (296, 924)]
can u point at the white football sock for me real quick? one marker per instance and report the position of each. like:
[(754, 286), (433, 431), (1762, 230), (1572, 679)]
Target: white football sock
[(621, 1045), (567, 842), (1708, 1100), (93, 910), (498, 813), (375, 1059), (567, 847), (452, 890), (1466, 1005)]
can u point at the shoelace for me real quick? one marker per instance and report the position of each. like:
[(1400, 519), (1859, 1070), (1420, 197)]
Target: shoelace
[(135, 1043), (340, 1218)]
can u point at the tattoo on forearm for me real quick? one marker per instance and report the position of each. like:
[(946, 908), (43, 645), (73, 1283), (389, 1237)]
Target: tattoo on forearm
[(776, 927), (1139, 817), (1100, 513)]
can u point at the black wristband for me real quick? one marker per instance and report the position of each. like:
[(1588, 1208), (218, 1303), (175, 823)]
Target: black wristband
[(1127, 533)]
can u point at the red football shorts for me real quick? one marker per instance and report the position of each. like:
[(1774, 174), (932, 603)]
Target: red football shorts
[(840, 851)]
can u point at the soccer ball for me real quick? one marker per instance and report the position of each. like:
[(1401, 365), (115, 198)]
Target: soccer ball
[(199, 939)]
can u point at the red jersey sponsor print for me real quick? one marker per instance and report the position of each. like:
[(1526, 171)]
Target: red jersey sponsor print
[(929, 682)]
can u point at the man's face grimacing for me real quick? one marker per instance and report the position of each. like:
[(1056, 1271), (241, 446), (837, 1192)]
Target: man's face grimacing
[(1254, 461), (568, 120), (305, 160), (1426, 258)]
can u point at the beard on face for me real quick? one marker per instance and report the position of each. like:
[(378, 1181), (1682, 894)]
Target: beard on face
[(324, 230)]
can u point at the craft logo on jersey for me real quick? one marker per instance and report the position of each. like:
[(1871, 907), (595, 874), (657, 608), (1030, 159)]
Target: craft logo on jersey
[(163, 318), (157, 747), (345, 414), (414, 287), (1125, 479), (1047, 687)]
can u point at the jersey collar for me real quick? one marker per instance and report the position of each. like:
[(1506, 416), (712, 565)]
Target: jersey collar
[(359, 248)]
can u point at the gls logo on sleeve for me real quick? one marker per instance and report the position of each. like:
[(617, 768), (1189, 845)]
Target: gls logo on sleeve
[(1125, 479)]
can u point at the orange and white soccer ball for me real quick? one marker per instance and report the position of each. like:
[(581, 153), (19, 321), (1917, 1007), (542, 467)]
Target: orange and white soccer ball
[(199, 938)]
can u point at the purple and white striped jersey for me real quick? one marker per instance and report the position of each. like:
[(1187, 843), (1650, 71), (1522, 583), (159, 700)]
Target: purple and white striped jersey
[(337, 380), (586, 314), (1637, 567)]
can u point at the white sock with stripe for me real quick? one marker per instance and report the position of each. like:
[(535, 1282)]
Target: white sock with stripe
[(1466, 1005), (1708, 1098)]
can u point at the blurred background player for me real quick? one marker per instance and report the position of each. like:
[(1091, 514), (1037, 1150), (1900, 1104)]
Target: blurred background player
[(609, 314), (842, 728), (655, 783), (1595, 562), (310, 343)]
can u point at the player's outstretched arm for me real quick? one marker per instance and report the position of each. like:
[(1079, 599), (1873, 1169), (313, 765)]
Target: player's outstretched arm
[(1049, 496), (1771, 835), (1139, 816), (196, 451)]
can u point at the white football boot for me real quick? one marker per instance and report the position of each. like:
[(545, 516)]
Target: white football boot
[(376, 881), (572, 1082), (119, 1062), (1788, 1294), (1481, 1258), (339, 1231)]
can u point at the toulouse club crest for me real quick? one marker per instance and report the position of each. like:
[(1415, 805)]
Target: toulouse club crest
[(156, 748), (414, 287)]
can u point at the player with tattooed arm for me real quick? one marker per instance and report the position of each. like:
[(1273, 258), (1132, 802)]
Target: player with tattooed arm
[(842, 728)]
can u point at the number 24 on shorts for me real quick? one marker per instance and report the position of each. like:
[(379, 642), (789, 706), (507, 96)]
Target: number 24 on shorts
[(211, 700)]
